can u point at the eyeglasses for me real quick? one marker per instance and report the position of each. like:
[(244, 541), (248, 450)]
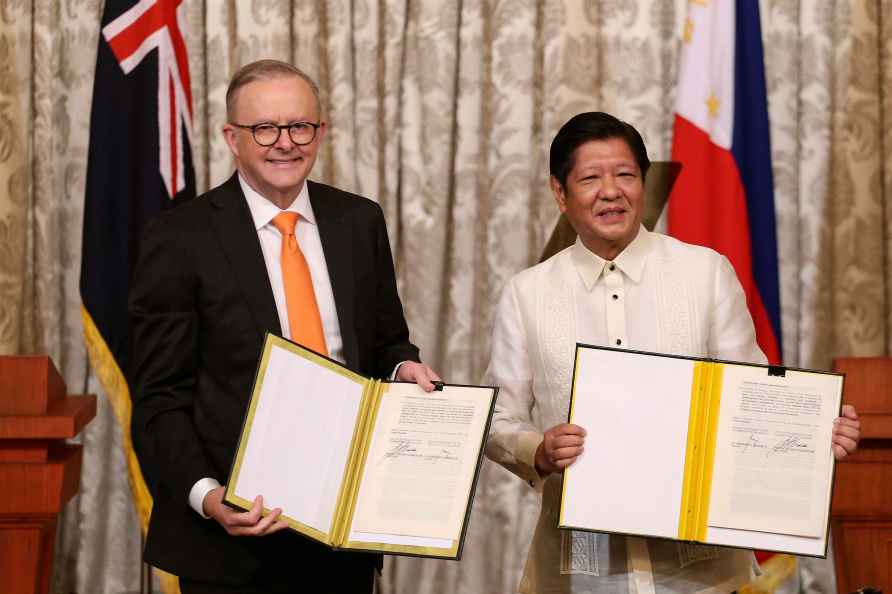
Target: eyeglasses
[(266, 134)]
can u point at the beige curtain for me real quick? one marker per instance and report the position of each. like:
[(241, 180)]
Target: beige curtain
[(443, 112)]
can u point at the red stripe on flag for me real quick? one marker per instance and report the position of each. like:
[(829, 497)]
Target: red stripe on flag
[(162, 14), (128, 41), (708, 207), (179, 49), (173, 137)]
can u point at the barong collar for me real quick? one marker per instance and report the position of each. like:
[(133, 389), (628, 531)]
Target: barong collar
[(630, 261)]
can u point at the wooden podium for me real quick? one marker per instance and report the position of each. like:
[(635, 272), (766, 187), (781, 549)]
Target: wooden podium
[(39, 472), (861, 516)]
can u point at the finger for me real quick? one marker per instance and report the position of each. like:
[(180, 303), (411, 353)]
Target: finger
[(575, 430), (418, 373), (564, 453), (266, 522), (844, 422), (424, 382), (845, 430), (849, 444), (568, 452), (279, 525), (564, 441), (561, 450), (433, 374), (258, 528), (839, 452), (250, 517), (564, 462), (567, 429), (848, 411)]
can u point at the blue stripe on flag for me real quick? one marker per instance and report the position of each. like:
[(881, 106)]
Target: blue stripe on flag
[(751, 147)]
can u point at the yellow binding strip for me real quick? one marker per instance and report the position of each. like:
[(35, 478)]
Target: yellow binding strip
[(706, 392), (345, 495), (357, 459), (687, 513), (570, 420), (229, 494), (712, 398)]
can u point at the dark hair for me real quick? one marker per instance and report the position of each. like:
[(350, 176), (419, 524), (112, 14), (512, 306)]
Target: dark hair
[(265, 70), (592, 125)]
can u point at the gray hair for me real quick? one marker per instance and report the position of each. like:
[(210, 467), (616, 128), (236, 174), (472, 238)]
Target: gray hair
[(266, 70)]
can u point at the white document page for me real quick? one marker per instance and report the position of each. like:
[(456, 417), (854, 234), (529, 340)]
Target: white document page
[(773, 458), (299, 439), (800, 545), (635, 409), (420, 465)]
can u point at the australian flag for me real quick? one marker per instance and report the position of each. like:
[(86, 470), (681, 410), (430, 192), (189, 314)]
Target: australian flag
[(139, 164)]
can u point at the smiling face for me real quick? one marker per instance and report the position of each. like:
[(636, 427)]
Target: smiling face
[(604, 196), (276, 172)]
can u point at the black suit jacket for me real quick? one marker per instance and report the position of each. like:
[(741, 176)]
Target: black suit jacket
[(200, 304)]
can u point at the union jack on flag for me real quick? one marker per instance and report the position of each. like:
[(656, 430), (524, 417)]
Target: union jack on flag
[(148, 26)]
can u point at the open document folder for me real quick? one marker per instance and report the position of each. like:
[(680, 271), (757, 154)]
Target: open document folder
[(699, 450), (358, 463)]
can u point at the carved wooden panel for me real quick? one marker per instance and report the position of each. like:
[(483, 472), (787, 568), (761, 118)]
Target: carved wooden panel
[(862, 497)]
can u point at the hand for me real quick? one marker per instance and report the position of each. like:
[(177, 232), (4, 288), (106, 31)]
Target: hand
[(421, 374), (846, 432), (238, 523), (560, 447)]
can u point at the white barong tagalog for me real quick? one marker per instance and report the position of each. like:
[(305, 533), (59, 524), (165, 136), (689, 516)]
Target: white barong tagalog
[(658, 295)]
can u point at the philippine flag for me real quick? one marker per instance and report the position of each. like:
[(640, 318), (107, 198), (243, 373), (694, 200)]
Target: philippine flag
[(724, 196)]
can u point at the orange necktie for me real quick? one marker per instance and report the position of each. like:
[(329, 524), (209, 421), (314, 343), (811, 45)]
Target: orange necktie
[(303, 311)]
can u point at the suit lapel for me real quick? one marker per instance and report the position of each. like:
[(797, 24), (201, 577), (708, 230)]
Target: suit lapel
[(336, 236), (232, 222)]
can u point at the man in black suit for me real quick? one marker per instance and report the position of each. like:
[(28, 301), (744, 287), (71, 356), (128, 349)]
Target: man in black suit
[(207, 287)]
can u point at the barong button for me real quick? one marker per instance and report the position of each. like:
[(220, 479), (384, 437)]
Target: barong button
[(612, 266), (619, 341), (615, 296)]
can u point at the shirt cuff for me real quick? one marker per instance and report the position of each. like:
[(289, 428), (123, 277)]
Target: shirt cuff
[(395, 369), (527, 444), (199, 491)]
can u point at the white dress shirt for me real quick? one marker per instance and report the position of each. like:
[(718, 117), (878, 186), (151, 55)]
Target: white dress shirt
[(307, 233), (658, 295)]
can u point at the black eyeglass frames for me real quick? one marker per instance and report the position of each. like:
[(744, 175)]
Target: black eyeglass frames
[(267, 134)]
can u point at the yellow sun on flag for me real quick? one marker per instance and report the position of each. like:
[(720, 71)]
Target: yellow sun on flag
[(713, 104)]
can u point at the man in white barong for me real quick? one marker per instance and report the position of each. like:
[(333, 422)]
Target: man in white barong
[(618, 285)]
